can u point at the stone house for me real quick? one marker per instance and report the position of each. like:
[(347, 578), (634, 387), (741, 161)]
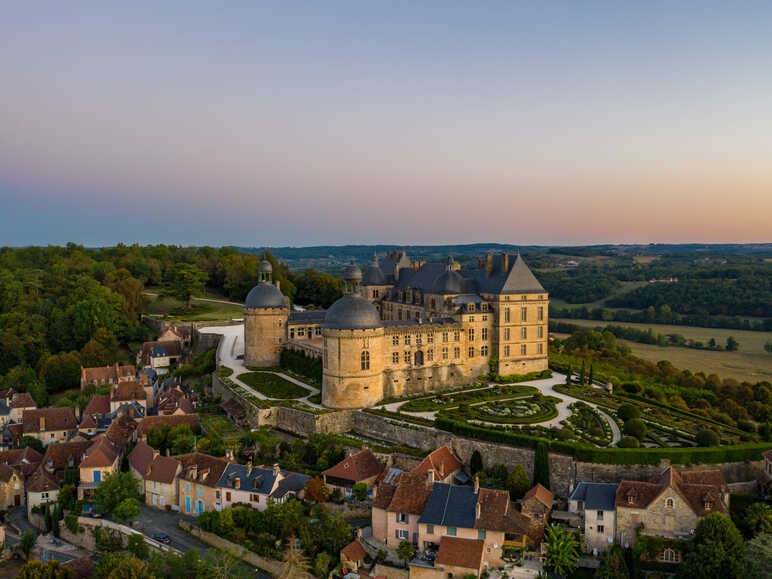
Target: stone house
[(398, 503), (96, 416), (596, 504), (352, 557), (102, 458), (161, 482), (41, 487), (360, 467), (50, 424), (670, 505), (128, 392), (446, 466), (140, 458), (197, 482), (248, 485), (537, 503), (20, 402), (11, 487), (106, 375), (160, 356), (456, 558)]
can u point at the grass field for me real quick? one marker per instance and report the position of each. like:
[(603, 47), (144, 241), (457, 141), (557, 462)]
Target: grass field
[(273, 386), (220, 425), (625, 287), (201, 310), (751, 362)]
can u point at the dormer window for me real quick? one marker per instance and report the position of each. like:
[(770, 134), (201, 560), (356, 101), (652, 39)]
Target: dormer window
[(708, 505), (669, 503), (630, 499)]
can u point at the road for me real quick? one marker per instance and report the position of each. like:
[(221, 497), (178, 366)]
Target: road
[(231, 354)]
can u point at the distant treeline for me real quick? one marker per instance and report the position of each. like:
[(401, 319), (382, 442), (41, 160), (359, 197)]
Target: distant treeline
[(661, 315)]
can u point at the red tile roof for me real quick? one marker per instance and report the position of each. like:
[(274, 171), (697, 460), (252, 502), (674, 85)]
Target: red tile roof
[(170, 420), (98, 405), (356, 467), (24, 459), (41, 481), (141, 457), (128, 391), (354, 551), (384, 491), (234, 408), (120, 431), (442, 461), (497, 513), (411, 494), (101, 453), (104, 374), (164, 468), (6, 472), (23, 400), (540, 494), (201, 468), (65, 454), (62, 418), (466, 553)]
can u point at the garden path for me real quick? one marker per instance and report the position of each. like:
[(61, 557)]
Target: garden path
[(231, 355)]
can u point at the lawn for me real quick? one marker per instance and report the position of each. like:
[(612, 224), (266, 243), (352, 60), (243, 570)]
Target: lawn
[(219, 424), (273, 386), (441, 401), (751, 362), (200, 310)]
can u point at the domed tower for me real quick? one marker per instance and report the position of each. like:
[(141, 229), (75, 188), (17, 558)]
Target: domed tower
[(266, 312), (353, 349)]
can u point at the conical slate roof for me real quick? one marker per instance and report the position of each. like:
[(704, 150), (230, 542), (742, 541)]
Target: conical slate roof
[(520, 279)]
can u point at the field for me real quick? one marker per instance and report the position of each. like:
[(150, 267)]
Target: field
[(273, 386), (219, 424), (201, 310), (625, 287), (751, 362)]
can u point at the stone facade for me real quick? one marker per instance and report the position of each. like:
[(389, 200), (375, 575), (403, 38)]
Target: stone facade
[(265, 333), (667, 514)]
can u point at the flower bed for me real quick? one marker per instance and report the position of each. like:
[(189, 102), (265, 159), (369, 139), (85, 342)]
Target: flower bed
[(450, 400), (519, 411)]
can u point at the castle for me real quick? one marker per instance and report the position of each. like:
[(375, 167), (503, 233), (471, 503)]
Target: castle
[(407, 327)]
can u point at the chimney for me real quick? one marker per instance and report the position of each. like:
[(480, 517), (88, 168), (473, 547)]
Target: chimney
[(194, 471), (278, 284), (42, 423), (156, 453), (477, 484), (237, 483), (430, 478), (276, 469), (477, 510), (504, 263), (167, 452)]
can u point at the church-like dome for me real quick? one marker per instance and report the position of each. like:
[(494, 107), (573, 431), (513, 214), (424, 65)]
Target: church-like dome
[(448, 283), (352, 273), (265, 267), (352, 312), (264, 295)]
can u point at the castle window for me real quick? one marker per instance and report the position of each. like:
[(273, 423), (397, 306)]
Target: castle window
[(318, 331), (456, 352), (485, 333), (540, 348), (506, 351), (407, 358), (444, 353), (395, 340), (407, 340), (484, 307), (444, 336), (524, 298), (524, 314), (429, 338), (456, 336), (523, 350), (375, 293), (506, 315), (471, 318), (399, 314), (471, 334), (430, 355), (630, 499), (540, 331), (301, 332), (365, 360), (470, 307), (418, 340), (669, 503), (541, 313), (524, 333), (484, 351), (671, 556), (418, 358), (506, 334), (471, 352), (395, 357), (292, 333), (485, 318)]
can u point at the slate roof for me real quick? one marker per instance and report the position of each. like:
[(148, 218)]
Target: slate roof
[(172, 347), (141, 457), (451, 506), (352, 312), (356, 467), (255, 480), (62, 418), (442, 461), (466, 553), (264, 295), (291, 483), (596, 496), (311, 316)]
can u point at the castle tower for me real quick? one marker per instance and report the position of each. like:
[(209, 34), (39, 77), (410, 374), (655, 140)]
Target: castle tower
[(353, 349), (266, 312)]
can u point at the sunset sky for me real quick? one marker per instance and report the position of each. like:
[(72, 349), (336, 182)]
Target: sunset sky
[(295, 123)]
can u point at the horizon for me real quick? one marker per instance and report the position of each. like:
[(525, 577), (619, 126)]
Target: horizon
[(300, 125)]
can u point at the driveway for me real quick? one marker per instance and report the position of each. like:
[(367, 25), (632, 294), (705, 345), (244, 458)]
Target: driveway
[(152, 521)]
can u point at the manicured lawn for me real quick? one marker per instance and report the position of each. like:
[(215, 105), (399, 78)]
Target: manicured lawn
[(199, 311), (220, 425), (451, 400), (272, 385)]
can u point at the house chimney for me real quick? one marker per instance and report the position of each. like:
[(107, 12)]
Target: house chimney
[(155, 453), (237, 483), (477, 484), (278, 284), (477, 510), (430, 478), (167, 452), (504, 263), (42, 421), (276, 469)]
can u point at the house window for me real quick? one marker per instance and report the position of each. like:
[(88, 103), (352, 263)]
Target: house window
[(506, 315), (365, 360), (301, 332), (523, 349), (600, 528), (540, 332), (452, 531), (471, 352), (395, 340), (217, 495), (671, 556), (395, 357), (292, 333), (402, 518), (481, 534), (540, 348), (708, 505), (524, 333), (200, 491), (630, 499), (599, 516), (430, 355), (429, 529), (485, 318), (506, 351), (669, 503), (407, 357), (506, 334), (43, 495), (471, 334), (484, 351), (444, 353), (318, 331), (402, 534), (456, 352), (254, 498), (187, 487)]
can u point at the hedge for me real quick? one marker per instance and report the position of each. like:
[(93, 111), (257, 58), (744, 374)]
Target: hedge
[(586, 453)]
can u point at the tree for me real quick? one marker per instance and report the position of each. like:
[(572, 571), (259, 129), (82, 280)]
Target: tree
[(181, 439), (717, 549), (476, 462), (359, 490), (116, 488), (183, 280), (122, 566), (758, 556), (61, 371), (541, 466), (562, 550), (40, 570), (582, 374), (732, 344), (613, 565), (137, 546), (100, 350), (707, 437), (33, 443), (295, 565), (758, 518), (27, 543), (405, 551), (628, 411), (122, 282), (768, 347), (635, 427), (316, 491), (629, 442), (590, 377), (518, 482), (126, 509), (322, 565)]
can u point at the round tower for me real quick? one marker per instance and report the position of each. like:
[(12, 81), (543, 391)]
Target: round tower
[(266, 312), (353, 356)]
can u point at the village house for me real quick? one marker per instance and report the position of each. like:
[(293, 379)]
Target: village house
[(595, 502), (360, 467), (176, 401), (50, 424), (399, 501), (537, 503), (102, 458), (446, 466), (25, 460), (456, 557), (106, 375), (670, 506), (197, 486), (161, 482), (20, 402), (235, 411), (248, 485), (352, 557), (41, 487), (176, 333), (128, 392), (162, 357), (96, 416), (140, 458), (11, 487)]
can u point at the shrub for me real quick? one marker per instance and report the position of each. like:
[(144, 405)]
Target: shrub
[(628, 442), (632, 387), (71, 522), (628, 411), (635, 427), (359, 490), (707, 437)]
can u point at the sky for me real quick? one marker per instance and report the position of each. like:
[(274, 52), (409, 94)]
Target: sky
[(305, 123)]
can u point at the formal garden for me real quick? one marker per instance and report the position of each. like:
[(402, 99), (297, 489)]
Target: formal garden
[(520, 410)]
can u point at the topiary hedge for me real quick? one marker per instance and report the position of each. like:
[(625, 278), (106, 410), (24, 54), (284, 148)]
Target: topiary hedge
[(586, 453)]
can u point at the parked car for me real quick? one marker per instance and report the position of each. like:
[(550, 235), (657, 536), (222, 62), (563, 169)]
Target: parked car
[(163, 538)]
